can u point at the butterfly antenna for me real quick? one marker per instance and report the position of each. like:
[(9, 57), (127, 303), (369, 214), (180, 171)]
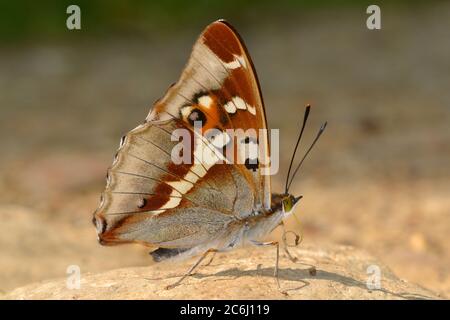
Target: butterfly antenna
[(321, 130), (305, 118)]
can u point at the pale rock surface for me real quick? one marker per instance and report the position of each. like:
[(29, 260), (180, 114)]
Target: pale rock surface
[(341, 273)]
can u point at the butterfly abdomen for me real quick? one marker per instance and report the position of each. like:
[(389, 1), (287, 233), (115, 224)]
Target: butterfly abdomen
[(162, 254)]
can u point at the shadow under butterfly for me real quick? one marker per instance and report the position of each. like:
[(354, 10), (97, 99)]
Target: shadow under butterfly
[(199, 207)]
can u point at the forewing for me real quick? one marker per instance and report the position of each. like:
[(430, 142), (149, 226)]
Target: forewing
[(219, 85)]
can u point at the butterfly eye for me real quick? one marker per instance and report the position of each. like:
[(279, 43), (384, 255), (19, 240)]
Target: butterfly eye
[(287, 204), (142, 202)]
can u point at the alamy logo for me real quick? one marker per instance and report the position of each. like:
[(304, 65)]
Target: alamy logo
[(232, 146), (374, 20), (73, 21), (73, 281), (373, 281)]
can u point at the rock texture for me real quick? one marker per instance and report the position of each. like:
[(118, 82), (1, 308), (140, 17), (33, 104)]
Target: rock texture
[(341, 273)]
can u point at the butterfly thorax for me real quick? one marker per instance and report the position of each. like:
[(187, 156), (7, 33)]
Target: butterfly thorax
[(265, 221)]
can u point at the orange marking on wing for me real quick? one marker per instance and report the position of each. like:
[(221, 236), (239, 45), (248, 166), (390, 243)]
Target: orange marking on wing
[(219, 31), (239, 84), (160, 198)]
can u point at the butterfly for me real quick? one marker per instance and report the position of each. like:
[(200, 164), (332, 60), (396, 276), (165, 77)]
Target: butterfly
[(213, 201)]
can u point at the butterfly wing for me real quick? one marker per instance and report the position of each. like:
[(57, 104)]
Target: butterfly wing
[(153, 200), (220, 81), (150, 199)]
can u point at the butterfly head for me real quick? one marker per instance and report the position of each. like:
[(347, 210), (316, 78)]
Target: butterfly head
[(284, 203), (288, 203)]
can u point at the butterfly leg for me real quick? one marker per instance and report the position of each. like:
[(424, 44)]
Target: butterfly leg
[(285, 246), (171, 286), (298, 239), (210, 260), (275, 273)]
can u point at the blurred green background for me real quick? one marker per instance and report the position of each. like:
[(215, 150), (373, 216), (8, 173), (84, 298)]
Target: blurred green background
[(377, 180), (42, 20)]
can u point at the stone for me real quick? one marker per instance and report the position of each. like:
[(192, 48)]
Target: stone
[(341, 272)]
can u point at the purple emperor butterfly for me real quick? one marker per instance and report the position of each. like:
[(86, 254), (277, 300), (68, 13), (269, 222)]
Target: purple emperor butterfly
[(205, 204)]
